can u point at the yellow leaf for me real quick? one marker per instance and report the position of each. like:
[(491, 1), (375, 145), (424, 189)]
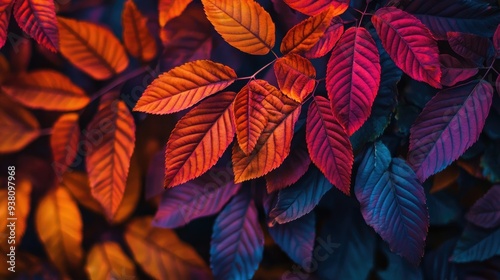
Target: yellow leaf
[(21, 192), (107, 261), (184, 86), (59, 226), (91, 48), (244, 25), (169, 9), (295, 76), (136, 36)]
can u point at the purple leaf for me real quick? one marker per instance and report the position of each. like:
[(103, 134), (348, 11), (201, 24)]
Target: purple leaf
[(156, 175), (470, 46), (393, 202), (486, 211), (237, 240), (456, 70), (449, 124)]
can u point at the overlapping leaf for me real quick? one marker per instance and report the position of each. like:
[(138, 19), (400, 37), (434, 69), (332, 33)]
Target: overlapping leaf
[(107, 260), (38, 19), (5, 12), (18, 210), (292, 169), (295, 76), (184, 86), (476, 244), (393, 202), (245, 26), (169, 9), (314, 7), (456, 70), (108, 160), (48, 90), (199, 139), (470, 46), (136, 36), (91, 48), (353, 78), (410, 44), (449, 124), (237, 242), (486, 211), (328, 41), (78, 185), (132, 193), (64, 142)]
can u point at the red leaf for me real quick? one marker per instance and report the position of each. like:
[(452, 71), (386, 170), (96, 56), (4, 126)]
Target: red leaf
[(5, 11), (410, 44), (328, 41), (470, 46), (456, 70), (64, 142), (199, 139), (295, 76), (314, 7), (292, 169), (329, 145), (38, 19), (353, 78)]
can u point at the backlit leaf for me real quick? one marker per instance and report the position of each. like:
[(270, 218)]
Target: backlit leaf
[(136, 36), (328, 40), (470, 46), (59, 226), (245, 26), (486, 211), (91, 48), (132, 193), (329, 145), (456, 70), (410, 44), (307, 33), (353, 78), (295, 76), (64, 142), (19, 126), (292, 169), (184, 86), (199, 139), (47, 90), (237, 242), (5, 12), (476, 244), (38, 19), (108, 159), (21, 209), (169, 9), (449, 124), (78, 185), (162, 254), (314, 7), (107, 261), (393, 202)]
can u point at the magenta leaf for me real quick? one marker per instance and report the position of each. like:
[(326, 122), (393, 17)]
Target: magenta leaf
[(471, 46), (456, 70)]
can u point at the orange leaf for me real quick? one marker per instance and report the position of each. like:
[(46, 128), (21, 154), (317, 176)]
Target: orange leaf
[(132, 193), (59, 226), (5, 11), (169, 9), (162, 254), (19, 126), (38, 19), (136, 36), (91, 48), (22, 209), (64, 142), (445, 178), (77, 183), (184, 86), (295, 76), (199, 139), (307, 33), (273, 145), (245, 25), (47, 90), (107, 261), (314, 7), (108, 158), (328, 41)]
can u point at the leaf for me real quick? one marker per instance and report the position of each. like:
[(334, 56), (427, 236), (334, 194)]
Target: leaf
[(184, 86), (449, 124), (108, 160), (246, 26), (59, 226), (107, 261), (170, 9), (307, 33), (327, 41), (496, 41), (91, 48), (456, 70), (292, 169), (161, 254), (398, 268), (191, 150), (237, 242), (273, 145), (198, 198), (312, 7), (295, 75), (250, 115), (132, 193), (46, 90), (486, 211), (38, 19), (353, 78), (64, 142), (476, 244), (22, 204), (329, 145), (436, 263), (19, 126), (5, 11), (78, 185), (470, 46), (410, 44), (136, 36), (300, 198), (393, 202)]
